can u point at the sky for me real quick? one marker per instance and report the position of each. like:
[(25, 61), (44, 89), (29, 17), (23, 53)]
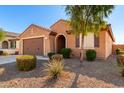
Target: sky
[(18, 18)]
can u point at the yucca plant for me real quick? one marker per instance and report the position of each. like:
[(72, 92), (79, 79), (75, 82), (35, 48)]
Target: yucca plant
[(57, 57), (54, 68)]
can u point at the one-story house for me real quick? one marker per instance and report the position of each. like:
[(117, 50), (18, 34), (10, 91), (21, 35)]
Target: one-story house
[(39, 40), (10, 44)]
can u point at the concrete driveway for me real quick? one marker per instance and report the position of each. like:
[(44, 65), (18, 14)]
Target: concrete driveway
[(12, 58)]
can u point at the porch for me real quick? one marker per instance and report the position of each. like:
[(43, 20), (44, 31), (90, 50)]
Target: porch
[(9, 46)]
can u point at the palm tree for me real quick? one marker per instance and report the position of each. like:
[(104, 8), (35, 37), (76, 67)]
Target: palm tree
[(2, 34), (88, 18)]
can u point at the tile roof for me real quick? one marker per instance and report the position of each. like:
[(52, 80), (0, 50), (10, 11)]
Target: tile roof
[(110, 32), (41, 27), (11, 34), (51, 31), (57, 22)]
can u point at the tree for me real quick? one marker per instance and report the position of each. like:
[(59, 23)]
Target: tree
[(88, 18), (2, 34)]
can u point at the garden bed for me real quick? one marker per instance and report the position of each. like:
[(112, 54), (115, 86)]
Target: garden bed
[(90, 74)]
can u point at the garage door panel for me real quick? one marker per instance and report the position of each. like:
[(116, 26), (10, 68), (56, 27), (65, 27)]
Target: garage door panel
[(33, 46)]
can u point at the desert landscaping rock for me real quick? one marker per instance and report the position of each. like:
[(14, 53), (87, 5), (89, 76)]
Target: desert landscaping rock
[(97, 74)]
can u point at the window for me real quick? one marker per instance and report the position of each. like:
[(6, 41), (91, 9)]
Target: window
[(77, 41), (5, 45), (82, 39), (96, 41), (13, 44)]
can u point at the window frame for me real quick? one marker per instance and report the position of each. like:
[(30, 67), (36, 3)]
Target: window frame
[(77, 41), (96, 41)]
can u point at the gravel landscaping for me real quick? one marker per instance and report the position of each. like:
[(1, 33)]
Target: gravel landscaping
[(90, 74)]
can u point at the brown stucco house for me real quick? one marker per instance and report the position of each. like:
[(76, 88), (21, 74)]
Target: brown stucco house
[(39, 40)]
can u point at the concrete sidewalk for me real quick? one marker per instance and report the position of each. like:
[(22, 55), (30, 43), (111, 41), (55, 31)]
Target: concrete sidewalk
[(12, 58)]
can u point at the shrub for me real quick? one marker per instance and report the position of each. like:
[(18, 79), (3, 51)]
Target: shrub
[(57, 57), (5, 53), (90, 55), (120, 60), (121, 52), (122, 72), (66, 52), (54, 68), (117, 51), (50, 54), (1, 52), (26, 62)]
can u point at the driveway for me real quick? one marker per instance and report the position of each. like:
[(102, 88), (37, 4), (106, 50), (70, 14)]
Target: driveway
[(12, 58)]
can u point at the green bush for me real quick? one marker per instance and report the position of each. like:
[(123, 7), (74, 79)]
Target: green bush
[(50, 54), (26, 62), (5, 53), (1, 52), (120, 60), (121, 52), (90, 55), (57, 57), (66, 52), (122, 72), (54, 68), (117, 51)]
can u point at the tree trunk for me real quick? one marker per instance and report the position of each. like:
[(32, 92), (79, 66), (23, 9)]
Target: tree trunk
[(81, 51)]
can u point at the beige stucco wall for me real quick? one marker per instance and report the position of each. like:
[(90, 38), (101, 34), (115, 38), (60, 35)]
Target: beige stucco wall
[(89, 41), (101, 49), (52, 43), (61, 27), (17, 45), (20, 46), (105, 41), (109, 44)]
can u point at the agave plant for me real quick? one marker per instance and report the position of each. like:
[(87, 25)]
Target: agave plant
[(54, 68)]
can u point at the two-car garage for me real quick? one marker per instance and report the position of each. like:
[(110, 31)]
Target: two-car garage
[(33, 46), (34, 41)]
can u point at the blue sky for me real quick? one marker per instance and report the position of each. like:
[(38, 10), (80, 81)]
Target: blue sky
[(18, 18)]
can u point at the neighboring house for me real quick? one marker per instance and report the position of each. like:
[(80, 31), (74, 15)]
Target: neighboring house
[(38, 40), (116, 46), (10, 43)]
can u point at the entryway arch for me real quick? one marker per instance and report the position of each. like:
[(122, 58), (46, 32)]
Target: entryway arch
[(5, 45), (60, 42)]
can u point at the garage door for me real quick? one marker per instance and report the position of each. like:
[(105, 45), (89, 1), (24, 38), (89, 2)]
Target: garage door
[(33, 46)]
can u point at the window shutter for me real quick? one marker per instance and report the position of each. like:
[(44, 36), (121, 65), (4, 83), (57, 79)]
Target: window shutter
[(77, 41), (96, 41), (82, 40)]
